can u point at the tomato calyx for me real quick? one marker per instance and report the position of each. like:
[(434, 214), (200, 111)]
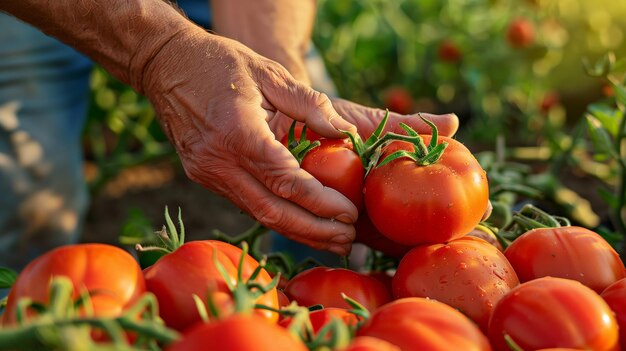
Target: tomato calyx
[(370, 150), (422, 154), (299, 148), (63, 315), (244, 293), (527, 218)]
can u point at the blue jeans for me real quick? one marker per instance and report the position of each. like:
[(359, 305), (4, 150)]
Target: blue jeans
[(44, 87)]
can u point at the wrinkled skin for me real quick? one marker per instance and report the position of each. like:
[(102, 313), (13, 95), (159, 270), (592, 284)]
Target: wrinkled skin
[(228, 143), (221, 105)]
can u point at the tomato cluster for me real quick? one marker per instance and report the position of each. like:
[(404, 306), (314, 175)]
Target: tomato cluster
[(548, 287)]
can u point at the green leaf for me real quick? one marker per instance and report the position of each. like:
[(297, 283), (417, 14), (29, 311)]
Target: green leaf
[(620, 93), (7, 277), (608, 116), (608, 197), (600, 138)]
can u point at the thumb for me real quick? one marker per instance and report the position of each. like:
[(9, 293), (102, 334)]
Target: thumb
[(303, 103)]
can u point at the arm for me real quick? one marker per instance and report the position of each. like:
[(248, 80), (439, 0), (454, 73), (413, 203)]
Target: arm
[(214, 98), (281, 30), (277, 29)]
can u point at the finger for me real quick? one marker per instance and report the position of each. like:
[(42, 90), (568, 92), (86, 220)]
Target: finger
[(289, 219), (302, 103), (367, 119), (282, 175)]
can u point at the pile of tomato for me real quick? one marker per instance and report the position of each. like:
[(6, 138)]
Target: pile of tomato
[(420, 199)]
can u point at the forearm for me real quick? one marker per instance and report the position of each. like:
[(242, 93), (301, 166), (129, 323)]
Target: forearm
[(277, 29), (123, 36)]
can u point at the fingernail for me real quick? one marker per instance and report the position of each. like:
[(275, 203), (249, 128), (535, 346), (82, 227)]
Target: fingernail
[(345, 218), (342, 125)]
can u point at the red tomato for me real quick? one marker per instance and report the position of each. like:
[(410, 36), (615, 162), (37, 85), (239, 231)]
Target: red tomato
[(320, 318), (468, 274), (238, 332), (368, 343), (189, 270), (323, 285), (567, 252), (111, 274), (521, 33), (553, 312), (415, 323), (398, 99), (337, 166), (412, 204), (283, 300), (615, 297), (368, 235), (449, 52)]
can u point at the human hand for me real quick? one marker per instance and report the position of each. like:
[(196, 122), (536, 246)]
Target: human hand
[(215, 99), (366, 119)]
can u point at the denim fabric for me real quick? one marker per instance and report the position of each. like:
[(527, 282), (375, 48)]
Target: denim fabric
[(43, 99)]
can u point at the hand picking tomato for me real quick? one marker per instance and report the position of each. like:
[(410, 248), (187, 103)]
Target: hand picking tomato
[(553, 312), (416, 323), (468, 274), (238, 332), (567, 252), (191, 269), (323, 286), (110, 274), (421, 199)]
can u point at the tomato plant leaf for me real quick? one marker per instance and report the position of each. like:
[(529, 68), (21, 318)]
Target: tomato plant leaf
[(608, 197), (7, 277), (600, 138), (608, 116), (620, 94)]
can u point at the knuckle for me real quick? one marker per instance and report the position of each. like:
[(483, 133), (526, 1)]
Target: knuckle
[(284, 185), (270, 215)]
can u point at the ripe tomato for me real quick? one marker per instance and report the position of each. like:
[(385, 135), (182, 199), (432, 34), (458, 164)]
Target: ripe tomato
[(111, 274), (190, 269), (553, 312), (413, 204), (368, 235), (449, 52), (468, 274), (567, 252), (323, 285), (415, 323), (238, 332), (337, 166), (368, 343), (520, 33), (615, 297), (398, 99), (320, 318)]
